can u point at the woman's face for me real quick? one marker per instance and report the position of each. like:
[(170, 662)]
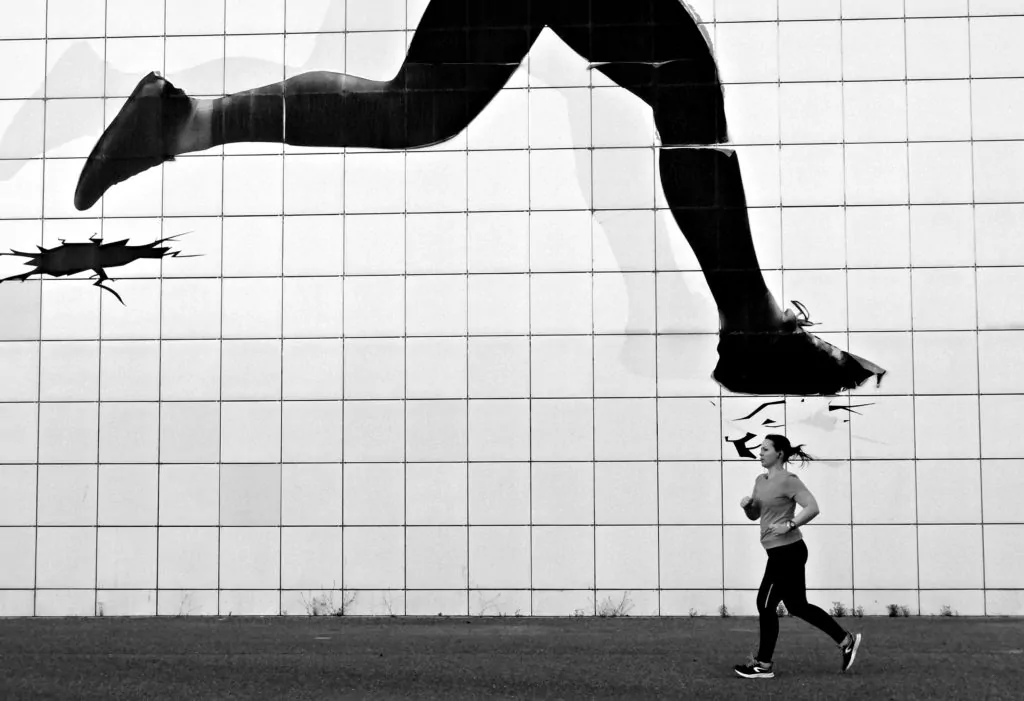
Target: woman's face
[(769, 455)]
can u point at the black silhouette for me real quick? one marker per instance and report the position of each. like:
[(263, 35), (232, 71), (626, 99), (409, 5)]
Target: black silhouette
[(461, 55)]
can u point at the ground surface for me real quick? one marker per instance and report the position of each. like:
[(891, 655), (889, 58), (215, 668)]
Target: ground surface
[(503, 658)]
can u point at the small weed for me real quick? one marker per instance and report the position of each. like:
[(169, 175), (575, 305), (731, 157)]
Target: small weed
[(578, 613), (898, 611), (780, 611), (325, 605), (723, 611), (609, 609), (838, 609), (859, 612), (99, 609), (947, 611), (904, 611), (693, 613)]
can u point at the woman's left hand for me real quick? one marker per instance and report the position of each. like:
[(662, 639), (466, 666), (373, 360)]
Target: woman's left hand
[(779, 529)]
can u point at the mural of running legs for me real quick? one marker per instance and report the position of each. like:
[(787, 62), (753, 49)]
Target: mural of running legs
[(461, 55)]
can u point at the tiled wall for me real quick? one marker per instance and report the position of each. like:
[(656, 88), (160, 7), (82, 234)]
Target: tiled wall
[(475, 378)]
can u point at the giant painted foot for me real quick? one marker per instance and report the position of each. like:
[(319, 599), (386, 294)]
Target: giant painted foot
[(138, 138), (788, 360)]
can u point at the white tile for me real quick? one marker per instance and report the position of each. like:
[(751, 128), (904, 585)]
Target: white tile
[(811, 113), (126, 558), (65, 603), (946, 362), (744, 558), (996, 237), (564, 603), (690, 556), (942, 235), (189, 495), (689, 429), (944, 299), (18, 548), (952, 161), (24, 20), (995, 49), (560, 241), (499, 493), (618, 118), (957, 601), (190, 432), (246, 17), (194, 17), (66, 558), (374, 494), (250, 558), (940, 110), (252, 246), (251, 432), (1004, 603), (563, 493), (436, 305), (561, 366), (436, 368), (374, 244), (499, 304), (624, 303), (191, 309), (812, 175), (249, 603), (938, 48), (310, 558), (559, 118), (374, 368), (876, 174), (934, 479), (250, 495), (562, 429), (311, 495), (140, 602), (499, 367), (998, 367), (936, 8), (436, 430), (504, 123), (1000, 437), (436, 243), (186, 602), (436, 557), (684, 304), (17, 495), (997, 171), (375, 182), (499, 181), (314, 245), (626, 429), (374, 558), (436, 494), (882, 492), (436, 182), (561, 179), (625, 366), (685, 363), (810, 51), (251, 369), (499, 603), (747, 52), (868, 9), (70, 311), (627, 557), (809, 9), (127, 495), (374, 306), (252, 308), (830, 557), (374, 431), (623, 178), (561, 303), (689, 493), (879, 300), (998, 306), (129, 371), (1002, 556), (940, 428), (69, 371), (312, 307), (626, 493), (68, 433), (885, 557), (873, 49), (1002, 481), (253, 185), (499, 429), (190, 370), (563, 557), (997, 105), (18, 432), (425, 602)]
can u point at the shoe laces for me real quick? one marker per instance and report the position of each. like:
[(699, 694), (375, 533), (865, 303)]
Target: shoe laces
[(804, 318)]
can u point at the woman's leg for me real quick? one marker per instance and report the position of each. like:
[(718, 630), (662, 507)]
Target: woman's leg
[(461, 55), (795, 595), (768, 597), (656, 50)]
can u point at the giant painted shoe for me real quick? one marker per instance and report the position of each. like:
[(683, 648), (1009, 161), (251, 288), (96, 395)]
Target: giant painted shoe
[(788, 361), (137, 139)]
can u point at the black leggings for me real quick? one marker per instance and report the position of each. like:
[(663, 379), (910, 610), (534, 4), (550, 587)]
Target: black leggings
[(784, 581)]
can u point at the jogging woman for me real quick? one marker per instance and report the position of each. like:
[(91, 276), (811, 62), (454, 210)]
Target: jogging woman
[(776, 494), (461, 55)]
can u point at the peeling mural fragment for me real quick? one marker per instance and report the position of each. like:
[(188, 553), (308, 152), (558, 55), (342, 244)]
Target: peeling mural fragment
[(72, 258)]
